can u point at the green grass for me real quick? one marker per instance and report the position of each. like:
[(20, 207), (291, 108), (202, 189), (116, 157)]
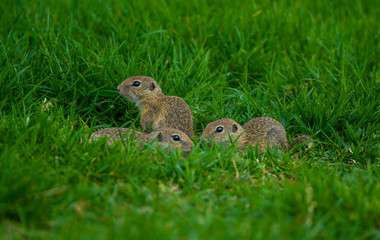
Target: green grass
[(312, 65)]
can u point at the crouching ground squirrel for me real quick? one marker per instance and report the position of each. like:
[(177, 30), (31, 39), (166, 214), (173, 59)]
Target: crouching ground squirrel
[(174, 138), (157, 110), (263, 131)]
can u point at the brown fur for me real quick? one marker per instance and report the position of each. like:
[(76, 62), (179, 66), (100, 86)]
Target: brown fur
[(157, 110), (162, 135), (262, 131)]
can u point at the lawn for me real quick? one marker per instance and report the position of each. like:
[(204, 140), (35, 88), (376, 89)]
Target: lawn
[(311, 65)]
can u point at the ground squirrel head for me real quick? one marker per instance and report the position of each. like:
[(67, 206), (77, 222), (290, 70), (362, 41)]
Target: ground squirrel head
[(221, 131), (138, 88), (174, 138)]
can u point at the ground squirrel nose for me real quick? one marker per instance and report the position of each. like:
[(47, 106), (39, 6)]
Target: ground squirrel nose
[(118, 88)]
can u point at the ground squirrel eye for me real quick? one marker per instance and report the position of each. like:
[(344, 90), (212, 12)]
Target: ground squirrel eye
[(176, 138), (136, 83), (219, 129)]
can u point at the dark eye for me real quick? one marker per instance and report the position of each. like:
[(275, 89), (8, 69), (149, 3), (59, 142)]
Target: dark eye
[(136, 83), (176, 138), (219, 129)]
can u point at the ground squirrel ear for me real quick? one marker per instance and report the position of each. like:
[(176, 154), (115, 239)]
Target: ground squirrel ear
[(152, 86), (160, 137), (234, 128)]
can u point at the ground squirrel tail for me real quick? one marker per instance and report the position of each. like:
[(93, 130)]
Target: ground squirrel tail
[(300, 139)]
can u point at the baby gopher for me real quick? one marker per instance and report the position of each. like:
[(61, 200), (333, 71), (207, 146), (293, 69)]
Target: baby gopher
[(157, 110), (262, 131), (174, 138)]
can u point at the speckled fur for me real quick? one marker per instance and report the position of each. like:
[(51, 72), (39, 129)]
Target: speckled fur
[(262, 131), (157, 110), (113, 135)]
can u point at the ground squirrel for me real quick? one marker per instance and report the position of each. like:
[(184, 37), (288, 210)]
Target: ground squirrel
[(262, 131), (174, 138), (157, 110)]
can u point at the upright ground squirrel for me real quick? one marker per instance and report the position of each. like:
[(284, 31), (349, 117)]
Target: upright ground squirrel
[(157, 110)]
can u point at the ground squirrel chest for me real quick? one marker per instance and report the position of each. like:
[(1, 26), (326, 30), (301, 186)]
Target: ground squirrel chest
[(157, 110), (262, 131)]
